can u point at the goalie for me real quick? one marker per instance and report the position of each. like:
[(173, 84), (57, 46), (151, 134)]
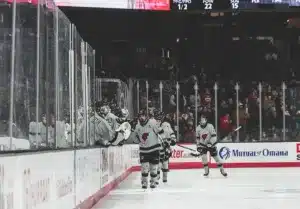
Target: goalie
[(206, 142)]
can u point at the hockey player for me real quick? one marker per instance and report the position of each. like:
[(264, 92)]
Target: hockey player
[(168, 139), (110, 118), (206, 139), (100, 130), (147, 135)]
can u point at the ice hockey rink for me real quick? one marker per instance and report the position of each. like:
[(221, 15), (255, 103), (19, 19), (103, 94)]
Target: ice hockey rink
[(246, 188)]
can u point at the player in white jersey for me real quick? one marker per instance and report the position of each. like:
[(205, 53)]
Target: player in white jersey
[(168, 139), (206, 142), (147, 135)]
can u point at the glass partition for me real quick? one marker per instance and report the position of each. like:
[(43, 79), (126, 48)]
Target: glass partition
[(5, 78), (46, 75), (259, 110)]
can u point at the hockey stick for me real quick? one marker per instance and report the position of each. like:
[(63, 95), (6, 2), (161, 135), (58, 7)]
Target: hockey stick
[(205, 146), (184, 147)]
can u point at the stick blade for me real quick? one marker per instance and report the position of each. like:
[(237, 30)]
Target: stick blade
[(238, 128), (195, 154)]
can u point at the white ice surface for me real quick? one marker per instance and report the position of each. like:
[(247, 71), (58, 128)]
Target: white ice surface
[(255, 188)]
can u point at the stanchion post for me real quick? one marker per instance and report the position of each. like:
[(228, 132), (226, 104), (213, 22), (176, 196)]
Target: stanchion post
[(237, 89), (196, 105), (283, 112), (138, 95), (260, 111), (177, 109), (161, 95), (147, 97), (216, 108)]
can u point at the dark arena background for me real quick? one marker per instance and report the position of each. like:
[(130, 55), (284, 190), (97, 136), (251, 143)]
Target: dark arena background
[(73, 72)]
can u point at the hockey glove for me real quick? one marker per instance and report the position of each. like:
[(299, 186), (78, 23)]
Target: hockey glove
[(200, 149), (213, 151), (168, 154), (166, 145), (121, 143)]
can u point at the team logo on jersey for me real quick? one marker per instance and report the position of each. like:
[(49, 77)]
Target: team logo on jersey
[(145, 136), (204, 136), (224, 153)]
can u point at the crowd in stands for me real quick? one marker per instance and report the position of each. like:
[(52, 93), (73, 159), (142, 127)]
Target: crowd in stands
[(270, 112), (263, 120)]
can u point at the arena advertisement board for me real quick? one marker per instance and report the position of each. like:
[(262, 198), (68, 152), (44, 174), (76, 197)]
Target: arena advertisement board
[(17, 144), (79, 178), (104, 167), (157, 5), (113, 4), (180, 154), (7, 182), (256, 152), (298, 151)]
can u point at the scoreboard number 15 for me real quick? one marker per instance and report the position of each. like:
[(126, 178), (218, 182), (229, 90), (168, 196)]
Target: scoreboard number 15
[(234, 4)]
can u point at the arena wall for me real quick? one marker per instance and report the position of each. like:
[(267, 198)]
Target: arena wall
[(80, 178)]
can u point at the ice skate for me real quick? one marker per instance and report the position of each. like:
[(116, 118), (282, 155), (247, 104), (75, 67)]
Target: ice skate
[(153, 184), (206, 170), (223, 172), (165, 177), (144, 185), (157, 178)]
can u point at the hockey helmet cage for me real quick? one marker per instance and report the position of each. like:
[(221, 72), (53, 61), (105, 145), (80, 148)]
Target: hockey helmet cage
[(203, 119), (143, 116), (160, 116)]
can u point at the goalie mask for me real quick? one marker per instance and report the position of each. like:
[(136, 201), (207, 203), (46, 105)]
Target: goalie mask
[(143, 117)]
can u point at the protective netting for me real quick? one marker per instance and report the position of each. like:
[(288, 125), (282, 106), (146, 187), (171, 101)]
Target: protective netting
[(46, 76), (266, 112)]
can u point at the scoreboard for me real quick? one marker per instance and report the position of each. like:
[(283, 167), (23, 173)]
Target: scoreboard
[(206, 5)]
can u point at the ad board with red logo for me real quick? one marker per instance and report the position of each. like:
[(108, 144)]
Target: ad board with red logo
[(298, 151), (157, 5)]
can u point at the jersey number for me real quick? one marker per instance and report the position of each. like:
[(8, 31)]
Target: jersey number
[(145, 136)]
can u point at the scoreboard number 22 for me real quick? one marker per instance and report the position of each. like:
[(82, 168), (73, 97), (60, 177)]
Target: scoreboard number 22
[(208, 4)]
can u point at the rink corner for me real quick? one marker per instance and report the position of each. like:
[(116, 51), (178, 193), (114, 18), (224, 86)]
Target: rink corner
[(91, 201)]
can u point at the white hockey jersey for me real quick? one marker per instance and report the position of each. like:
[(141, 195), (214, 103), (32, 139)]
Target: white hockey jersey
[(148, 136), (168, 132), (112, 121), (206, 135)]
